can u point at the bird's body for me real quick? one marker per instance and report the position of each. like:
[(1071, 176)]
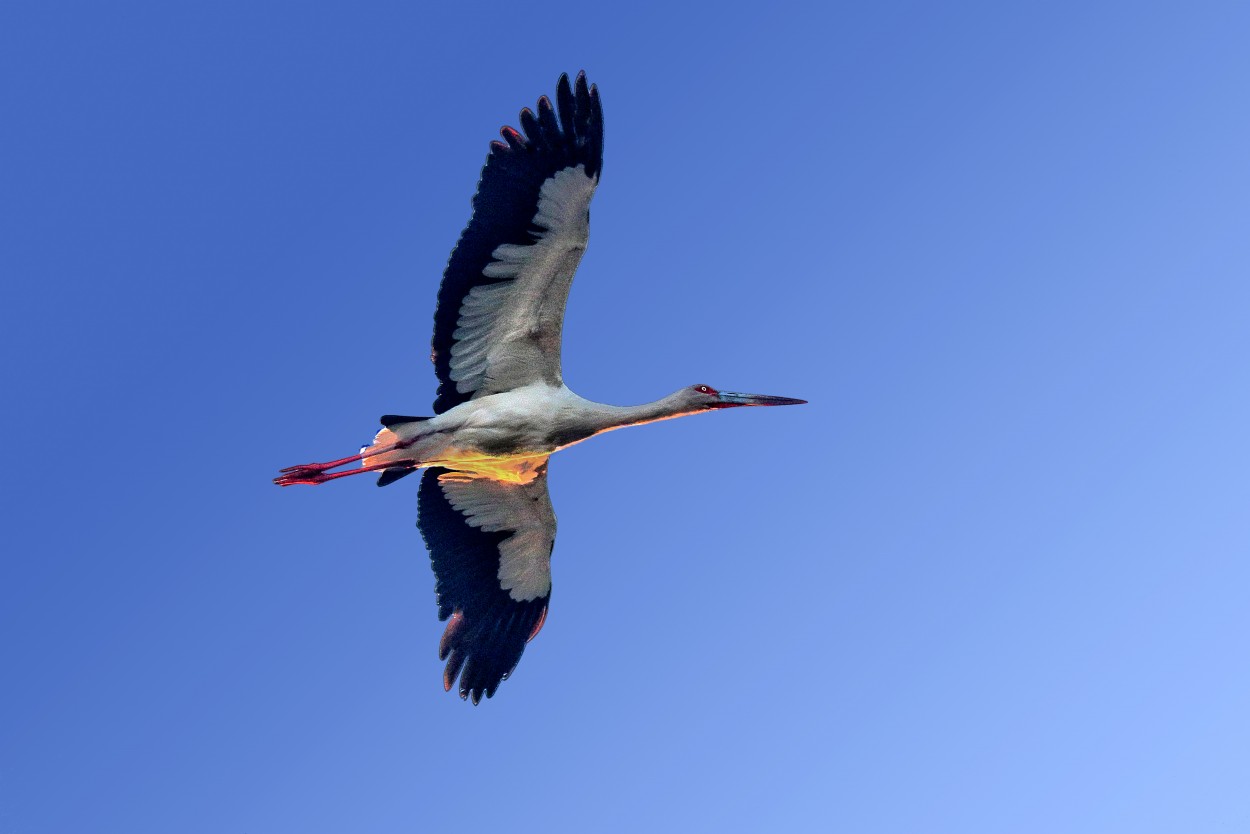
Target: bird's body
[(502, 407), (512, 430)]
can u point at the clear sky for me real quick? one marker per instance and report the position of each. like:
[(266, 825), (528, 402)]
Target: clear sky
[(994, 578)]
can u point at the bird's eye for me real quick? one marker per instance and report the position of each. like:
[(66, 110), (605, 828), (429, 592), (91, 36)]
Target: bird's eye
[(703, 389)]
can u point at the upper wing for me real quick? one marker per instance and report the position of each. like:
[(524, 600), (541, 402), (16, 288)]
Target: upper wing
[(490, 543), (501, 304)]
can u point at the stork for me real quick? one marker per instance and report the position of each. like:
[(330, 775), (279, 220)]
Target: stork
[(502, 408)]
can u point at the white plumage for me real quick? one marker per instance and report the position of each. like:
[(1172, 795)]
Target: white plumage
[(502, 407)]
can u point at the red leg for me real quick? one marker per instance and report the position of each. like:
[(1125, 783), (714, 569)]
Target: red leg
[(316, 473), (321, 467), (305, 475)]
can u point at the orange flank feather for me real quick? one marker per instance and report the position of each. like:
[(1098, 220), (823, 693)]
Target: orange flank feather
[(383, 440)]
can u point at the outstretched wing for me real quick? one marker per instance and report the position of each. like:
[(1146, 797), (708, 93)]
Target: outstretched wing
[(501, 304), (490, 543)]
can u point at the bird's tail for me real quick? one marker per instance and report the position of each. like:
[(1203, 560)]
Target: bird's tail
[(388, 451)]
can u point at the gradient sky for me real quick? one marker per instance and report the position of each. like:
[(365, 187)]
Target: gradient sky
[(993, 578)]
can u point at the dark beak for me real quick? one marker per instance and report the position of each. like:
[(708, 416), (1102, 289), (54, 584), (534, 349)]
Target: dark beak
[(728, 399)]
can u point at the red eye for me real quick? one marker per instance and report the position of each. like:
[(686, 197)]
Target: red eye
[(704, 389)]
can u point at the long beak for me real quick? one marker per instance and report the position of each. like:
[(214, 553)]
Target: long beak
[(728, 399)]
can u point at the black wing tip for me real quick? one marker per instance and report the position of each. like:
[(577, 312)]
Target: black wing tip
[(577, 111), (476, 693), (482, 654), (516, 142)]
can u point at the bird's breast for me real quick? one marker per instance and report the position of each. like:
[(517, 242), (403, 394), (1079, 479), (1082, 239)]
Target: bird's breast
[(512, 429), (515, 469)]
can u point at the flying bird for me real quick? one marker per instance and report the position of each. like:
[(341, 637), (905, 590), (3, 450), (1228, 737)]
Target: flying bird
[(502, 407)]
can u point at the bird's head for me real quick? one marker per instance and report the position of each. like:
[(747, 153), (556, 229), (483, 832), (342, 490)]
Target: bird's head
[(706, 398)]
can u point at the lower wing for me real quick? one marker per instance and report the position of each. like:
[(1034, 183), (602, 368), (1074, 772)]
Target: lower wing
[(490, 544)]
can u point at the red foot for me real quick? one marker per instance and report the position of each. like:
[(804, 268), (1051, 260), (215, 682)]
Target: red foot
[(312, 473)]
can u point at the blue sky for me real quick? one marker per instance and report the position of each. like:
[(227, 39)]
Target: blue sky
[(993, 578)]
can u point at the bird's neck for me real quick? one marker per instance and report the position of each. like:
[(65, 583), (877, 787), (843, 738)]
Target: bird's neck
[(618, 417)]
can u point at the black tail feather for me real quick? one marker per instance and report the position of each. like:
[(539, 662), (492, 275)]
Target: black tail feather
[(389, 420), (390, 476)]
